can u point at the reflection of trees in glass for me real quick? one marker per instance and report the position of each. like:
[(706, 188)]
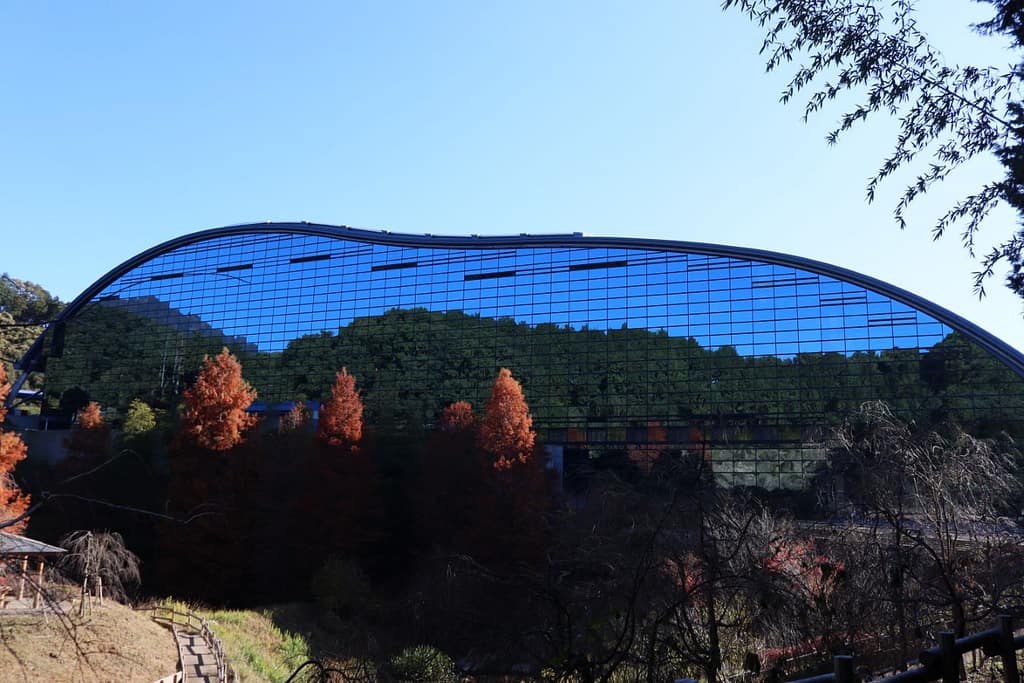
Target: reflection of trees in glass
[(116, 355), (139, 420), (413, 362)]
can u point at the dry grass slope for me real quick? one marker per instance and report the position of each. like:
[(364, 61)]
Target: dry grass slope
[(113, 643)]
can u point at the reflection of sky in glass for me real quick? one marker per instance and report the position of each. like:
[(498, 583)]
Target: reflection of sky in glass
[(271, 289)]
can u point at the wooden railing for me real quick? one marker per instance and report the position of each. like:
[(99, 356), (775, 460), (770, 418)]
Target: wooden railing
[(196, 623), (944, 661)]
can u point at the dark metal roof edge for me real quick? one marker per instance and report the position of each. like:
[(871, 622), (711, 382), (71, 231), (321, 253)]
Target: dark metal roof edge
[(1010, 356)]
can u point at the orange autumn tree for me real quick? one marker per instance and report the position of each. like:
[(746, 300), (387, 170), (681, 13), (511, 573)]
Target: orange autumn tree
[(339, 491), (507, 428), (341, 416), (510, 521), (215, 414), (88, 438), (457, 417), (12, 451), (205, 558), (90, 417), (295, 419)]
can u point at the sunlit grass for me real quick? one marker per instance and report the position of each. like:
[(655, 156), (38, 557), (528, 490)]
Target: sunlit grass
[(254, 646)]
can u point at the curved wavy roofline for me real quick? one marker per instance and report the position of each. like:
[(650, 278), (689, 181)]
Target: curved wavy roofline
[(1013, 358)]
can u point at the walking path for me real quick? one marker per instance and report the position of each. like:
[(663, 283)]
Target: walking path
[(198, 662), (200, 652)]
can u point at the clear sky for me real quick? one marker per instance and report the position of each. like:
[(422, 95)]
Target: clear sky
[(126, 124)]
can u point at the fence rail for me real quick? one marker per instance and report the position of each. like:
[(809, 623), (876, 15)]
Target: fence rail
[(199, 625), (942, 662)]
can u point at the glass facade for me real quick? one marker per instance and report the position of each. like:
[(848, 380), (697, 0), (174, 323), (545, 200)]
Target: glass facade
[(620, 349)]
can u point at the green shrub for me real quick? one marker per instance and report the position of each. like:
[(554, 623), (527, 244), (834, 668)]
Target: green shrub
[(140, 418), (424, 663), (340, 585)]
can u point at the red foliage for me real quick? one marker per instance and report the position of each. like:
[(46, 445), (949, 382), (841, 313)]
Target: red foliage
[(5, 388), (12, 451), (687, 574), (215, 416), (514, 514), (88, 441), (483, 490), (773, 656), (295, 419), (507, 428), (205, 557), (341, 416), (458, 417), (811, 572), (90, 417), (339, 492)]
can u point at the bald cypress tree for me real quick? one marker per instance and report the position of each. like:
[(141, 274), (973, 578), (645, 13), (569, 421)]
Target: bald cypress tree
[(507, 428), (204, 551), (215, 416), (341, 416)]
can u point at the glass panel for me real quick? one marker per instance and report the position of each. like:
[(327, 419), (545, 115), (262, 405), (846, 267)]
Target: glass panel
[(749, 363)]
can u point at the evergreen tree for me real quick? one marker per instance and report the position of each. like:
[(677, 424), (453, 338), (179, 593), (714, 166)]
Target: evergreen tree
[(140, 418)]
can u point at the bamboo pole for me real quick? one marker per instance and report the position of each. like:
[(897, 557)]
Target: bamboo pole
[(39, 585), (21, 577), (84, 596)]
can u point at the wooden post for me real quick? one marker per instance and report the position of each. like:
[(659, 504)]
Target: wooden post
[(99, 588), (949, 659), (39, 586), (21, 577), (1007, 650), (843, 666)]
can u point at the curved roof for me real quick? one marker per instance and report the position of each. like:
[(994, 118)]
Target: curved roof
[(1013, 358)]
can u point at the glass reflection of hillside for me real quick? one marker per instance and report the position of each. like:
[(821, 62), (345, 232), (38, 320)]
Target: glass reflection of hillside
[(591, 389)]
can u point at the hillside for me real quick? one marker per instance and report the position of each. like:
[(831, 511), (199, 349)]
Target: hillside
[(113, 643)]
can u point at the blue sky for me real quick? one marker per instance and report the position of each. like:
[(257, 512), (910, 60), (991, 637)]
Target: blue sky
[(125, 124)]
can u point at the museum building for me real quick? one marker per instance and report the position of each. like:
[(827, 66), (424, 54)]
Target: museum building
[(623, 346)]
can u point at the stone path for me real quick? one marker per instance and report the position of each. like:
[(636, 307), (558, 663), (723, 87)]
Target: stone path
[(197, 660)]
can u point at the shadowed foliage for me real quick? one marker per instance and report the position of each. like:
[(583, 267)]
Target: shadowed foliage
[(12, 451)]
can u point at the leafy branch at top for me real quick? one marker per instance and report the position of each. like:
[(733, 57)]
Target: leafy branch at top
[(949, 114)]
